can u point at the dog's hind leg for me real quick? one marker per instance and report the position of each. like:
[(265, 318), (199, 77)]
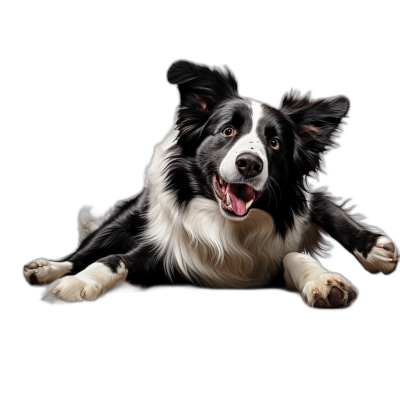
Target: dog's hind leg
[(142, 266), (42, 271), (88, 284), (318, 287), (110, 238), (376, 252), (118, 234)]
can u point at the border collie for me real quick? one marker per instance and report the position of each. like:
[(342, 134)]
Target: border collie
[(225, 204)]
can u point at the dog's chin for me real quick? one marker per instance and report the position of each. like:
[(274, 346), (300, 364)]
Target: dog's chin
[(235, 199)]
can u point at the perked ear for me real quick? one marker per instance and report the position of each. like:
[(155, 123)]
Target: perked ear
[(315, 124), (201, 88)]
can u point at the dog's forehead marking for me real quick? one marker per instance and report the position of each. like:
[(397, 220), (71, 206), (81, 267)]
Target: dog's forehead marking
[(257, 113), (251, 141)]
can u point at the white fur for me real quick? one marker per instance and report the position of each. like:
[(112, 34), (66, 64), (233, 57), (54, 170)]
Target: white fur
[(88, 284), (249, 143), (87, 223), (301, 269), (208, 247), (306, 275), (379, 259)]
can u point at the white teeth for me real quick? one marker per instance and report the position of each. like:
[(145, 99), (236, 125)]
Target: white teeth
[(228, 200), (221, 181), (248, 204)]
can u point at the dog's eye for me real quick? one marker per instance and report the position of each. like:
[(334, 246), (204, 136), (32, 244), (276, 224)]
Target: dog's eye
[(274, 144), (229, 131)]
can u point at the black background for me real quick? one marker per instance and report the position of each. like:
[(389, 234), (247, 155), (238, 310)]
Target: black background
[(95, 102)]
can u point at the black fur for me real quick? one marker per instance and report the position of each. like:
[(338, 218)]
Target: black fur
[(209, 101), (119, 233), (119, 238), (335, 220)]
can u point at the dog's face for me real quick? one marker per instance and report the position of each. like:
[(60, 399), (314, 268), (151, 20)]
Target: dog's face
[(249, 154), (246, 146)]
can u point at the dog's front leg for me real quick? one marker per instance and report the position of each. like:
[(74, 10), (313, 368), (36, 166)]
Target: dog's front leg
[(376, 252), (318, 287)]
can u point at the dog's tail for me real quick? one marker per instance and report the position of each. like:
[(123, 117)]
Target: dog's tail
[(87, 223)]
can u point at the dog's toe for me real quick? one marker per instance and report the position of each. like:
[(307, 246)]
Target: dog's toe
[(329, 290), (336, 297), (42, 271), (321, 303)]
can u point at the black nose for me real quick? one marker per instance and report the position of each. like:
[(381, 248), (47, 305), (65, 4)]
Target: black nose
[(249, 165)]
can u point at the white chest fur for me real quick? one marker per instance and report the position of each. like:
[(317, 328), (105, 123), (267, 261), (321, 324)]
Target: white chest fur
[(207, 247)]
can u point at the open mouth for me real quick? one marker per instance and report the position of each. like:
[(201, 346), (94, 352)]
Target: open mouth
[(236, 198)]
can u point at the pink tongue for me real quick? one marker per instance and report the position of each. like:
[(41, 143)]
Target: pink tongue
[(240, 195)]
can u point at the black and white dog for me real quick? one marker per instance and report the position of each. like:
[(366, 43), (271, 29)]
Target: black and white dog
[(225, 203)]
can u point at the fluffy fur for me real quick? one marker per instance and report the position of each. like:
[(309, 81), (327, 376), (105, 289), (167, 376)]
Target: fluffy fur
[(225, 203)]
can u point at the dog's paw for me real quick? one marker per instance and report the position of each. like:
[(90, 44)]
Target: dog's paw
[(42, 271), (329, 290), (73, 289), (383, 257)]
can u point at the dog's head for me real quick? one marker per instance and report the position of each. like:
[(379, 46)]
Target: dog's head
[(244, 153)]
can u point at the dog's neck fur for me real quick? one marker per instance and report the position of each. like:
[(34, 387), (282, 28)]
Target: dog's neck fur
[(203, 245)]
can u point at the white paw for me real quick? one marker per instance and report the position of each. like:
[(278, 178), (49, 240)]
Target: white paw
[(382, 258), (73, 289), (42, 271), (329, 290)]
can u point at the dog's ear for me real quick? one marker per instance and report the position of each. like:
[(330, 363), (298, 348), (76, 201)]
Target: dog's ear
[(201, 88), (315, 124)]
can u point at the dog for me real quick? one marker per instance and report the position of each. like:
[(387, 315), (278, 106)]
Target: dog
[(225, 203)]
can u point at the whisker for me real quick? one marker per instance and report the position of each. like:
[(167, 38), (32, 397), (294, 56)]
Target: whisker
[(269, 196), (273, 191), (276, 183)]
